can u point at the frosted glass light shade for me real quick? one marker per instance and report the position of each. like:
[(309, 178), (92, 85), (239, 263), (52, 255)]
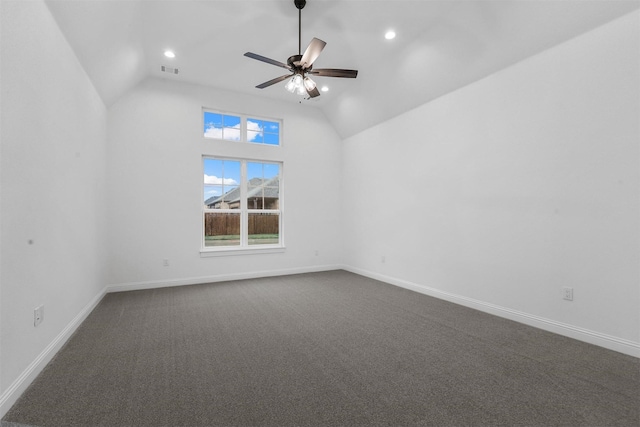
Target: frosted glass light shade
[(309, 84)]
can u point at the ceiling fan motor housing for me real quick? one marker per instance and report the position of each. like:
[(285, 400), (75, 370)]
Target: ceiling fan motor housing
[(294, 62)]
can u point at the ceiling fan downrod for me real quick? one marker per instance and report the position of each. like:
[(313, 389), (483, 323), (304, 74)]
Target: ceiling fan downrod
[(300, 5)]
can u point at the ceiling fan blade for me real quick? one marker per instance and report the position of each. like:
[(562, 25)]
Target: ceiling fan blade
[(334, 72), (312, 52), (273, 81), (267, 60), (314, 92)]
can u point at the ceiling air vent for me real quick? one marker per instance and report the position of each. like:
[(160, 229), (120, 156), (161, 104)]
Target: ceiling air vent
[(169, 70)]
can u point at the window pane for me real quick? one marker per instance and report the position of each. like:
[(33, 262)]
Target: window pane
[(265, 171), (221, 179), (271, 170), (231, 172), (212, 125), (221, 229), (212, 195), (255, 198), (231, 128), (271, 138), (221, 172), (271, 186), (272, 127), (263, 132), (254, 170), (212, 171), (221, 126), (264, 228), (254, 136), (271, 198), (263, 186), (272, 133), (230, 199), (255, 130)]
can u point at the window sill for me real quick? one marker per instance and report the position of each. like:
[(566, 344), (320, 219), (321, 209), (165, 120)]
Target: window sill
[(206, 253)]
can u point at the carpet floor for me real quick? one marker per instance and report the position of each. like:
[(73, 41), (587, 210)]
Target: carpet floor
[(321, 349)]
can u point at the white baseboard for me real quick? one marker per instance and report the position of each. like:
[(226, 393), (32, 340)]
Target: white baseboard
[(13, 392), (607, 341), (154, 284)]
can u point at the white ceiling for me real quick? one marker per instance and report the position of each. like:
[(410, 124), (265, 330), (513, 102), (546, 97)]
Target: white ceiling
[(441, 44)]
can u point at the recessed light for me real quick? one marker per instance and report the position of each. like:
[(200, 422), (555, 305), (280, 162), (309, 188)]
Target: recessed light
[(325, 88), (169, 54), (390, 35)]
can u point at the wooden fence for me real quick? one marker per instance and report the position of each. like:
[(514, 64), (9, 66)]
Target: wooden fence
[(228, 224)]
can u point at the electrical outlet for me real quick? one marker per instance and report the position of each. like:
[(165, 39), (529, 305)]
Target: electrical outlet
[(38, 315), (317, 252), (567, 293), (165, 262), (383, 259)]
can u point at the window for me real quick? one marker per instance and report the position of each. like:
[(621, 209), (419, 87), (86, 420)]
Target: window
[(263, 132), (242, 204), (221, 126), (240, 128)]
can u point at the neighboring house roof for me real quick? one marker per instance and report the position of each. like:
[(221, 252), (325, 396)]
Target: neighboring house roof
[(255, 185)]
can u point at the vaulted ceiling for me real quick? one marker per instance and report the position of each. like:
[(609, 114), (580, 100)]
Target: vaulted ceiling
[(441, 45)]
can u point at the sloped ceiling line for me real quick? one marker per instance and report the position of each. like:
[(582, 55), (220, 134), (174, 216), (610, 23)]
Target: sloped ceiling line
[(442, 45)]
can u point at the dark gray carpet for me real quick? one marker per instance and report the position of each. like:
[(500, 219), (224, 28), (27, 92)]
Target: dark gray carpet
[(10, 424), (322, 349)]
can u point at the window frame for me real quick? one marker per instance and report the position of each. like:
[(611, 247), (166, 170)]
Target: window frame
[(244, 211), (243, 127)]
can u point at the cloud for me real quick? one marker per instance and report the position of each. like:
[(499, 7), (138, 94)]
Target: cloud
[(230, 133), (212, 179), (254, 131)]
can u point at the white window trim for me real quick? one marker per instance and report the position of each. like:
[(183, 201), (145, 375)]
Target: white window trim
[(244, 248), (231, 251), (243, 127)]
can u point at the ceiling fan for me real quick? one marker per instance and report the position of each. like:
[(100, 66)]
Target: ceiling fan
[(301, 65)]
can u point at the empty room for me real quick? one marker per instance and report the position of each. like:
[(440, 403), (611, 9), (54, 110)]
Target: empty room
[(319, 213)]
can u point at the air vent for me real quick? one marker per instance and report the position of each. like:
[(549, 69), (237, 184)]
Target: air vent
[(169, 70)]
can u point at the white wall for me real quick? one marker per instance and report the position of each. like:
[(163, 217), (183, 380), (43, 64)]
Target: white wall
[(155, 183), (496, 195), (501, 193), (53, 134)]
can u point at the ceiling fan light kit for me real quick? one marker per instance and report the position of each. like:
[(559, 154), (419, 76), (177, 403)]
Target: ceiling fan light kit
[(302, 64), (309, 84)]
